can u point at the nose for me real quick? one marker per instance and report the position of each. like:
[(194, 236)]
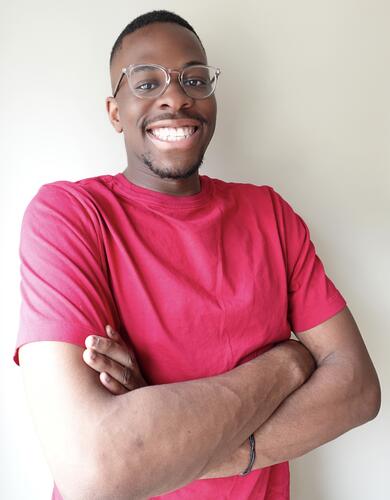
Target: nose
[(174, 96)]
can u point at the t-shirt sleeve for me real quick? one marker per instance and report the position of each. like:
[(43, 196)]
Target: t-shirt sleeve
[(64, 288), (312, 296)]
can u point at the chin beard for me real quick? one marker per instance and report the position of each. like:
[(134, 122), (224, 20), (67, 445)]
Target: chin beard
[(171, 173)]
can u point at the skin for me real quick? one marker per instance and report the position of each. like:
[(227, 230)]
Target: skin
[(135, 445), (341, 393), (115, 362), (176, 171), (99, 435)]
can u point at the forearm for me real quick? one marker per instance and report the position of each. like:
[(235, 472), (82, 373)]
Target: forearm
[(178, 430), (330, 403)]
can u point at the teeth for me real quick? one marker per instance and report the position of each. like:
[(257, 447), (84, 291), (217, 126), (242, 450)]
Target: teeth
[(172, 134)]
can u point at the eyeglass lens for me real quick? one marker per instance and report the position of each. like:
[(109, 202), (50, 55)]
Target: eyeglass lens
[(197, 82)]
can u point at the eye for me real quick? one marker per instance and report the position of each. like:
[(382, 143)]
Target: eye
[(195, 82), (146, 85)]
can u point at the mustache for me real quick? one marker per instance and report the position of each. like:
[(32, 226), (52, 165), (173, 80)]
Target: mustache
[(173, 116)]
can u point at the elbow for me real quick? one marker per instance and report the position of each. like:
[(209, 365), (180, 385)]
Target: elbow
[(372, 399), (84, 484), (363, 392), (114, 477), (115, 471), (99, 483), (367, 400), (100, 473)]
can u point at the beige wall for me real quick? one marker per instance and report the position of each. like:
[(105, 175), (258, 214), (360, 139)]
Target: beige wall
[(303, 106)]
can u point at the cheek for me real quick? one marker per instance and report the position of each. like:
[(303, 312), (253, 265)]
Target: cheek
[(211, 115), (210, 111), (132, 115)]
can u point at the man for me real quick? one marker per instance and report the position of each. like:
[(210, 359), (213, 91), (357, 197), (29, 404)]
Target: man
[(201, 282)]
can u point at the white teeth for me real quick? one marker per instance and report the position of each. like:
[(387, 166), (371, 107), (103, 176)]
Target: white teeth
[(172, 134)]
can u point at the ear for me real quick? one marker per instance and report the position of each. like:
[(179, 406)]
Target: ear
[(113, 114)]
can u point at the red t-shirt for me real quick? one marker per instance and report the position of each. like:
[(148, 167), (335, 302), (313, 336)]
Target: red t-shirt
[(196, 284)]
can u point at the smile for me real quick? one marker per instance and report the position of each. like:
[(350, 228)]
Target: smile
[(172, 134), (167, 135)]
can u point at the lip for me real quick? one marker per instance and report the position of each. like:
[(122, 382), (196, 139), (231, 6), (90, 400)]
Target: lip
[(182, 144)]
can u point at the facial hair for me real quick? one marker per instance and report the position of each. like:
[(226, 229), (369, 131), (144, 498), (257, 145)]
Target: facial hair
[(171, 173)]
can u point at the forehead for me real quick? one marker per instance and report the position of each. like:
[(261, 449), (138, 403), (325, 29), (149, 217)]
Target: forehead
[(168, 44)]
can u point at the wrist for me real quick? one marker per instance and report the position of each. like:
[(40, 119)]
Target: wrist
[(252, 455), (231, 466)]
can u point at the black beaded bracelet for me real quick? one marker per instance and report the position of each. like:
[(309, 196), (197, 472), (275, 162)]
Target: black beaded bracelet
[(252, 458)]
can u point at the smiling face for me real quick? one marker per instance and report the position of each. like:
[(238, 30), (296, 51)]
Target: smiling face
[(167, 136)]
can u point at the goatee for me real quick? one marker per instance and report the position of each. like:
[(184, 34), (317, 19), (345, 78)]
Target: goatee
[(171, 173)]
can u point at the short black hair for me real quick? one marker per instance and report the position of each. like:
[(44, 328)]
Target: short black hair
[(154, 16)]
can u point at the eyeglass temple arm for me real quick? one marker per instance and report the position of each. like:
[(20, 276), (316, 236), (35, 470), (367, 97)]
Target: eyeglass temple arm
[(119, 82)]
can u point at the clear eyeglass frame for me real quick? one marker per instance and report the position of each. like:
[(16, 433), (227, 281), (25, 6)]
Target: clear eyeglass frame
[(127, 72)]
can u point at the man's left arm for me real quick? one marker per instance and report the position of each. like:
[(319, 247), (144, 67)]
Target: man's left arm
[(342, 393)]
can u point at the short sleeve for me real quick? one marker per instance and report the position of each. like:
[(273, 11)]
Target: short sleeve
[(312, 296), (64, 288)]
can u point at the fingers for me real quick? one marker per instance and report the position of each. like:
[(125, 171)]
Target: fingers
[(112, 385), (112, 334), (114, 348), (115, 361), (120, 374)]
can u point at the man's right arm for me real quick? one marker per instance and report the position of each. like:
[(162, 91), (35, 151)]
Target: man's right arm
[(154, 439)]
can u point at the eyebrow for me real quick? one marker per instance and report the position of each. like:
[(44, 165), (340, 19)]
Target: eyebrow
[(192, 63), (185, 65)]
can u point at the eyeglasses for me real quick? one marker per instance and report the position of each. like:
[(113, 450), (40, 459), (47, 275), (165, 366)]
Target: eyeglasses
[(149, 81)]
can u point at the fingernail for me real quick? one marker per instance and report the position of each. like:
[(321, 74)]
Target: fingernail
[(92, 355), (106, 377), (90, 341), (109, 330)]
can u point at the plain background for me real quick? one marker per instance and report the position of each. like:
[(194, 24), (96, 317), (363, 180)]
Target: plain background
[(303, 106)]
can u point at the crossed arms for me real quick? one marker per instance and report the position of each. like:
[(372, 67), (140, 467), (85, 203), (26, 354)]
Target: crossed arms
[(159, 438)]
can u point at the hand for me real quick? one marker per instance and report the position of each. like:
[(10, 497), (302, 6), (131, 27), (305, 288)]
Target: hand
[(302, 360), (115, 362)]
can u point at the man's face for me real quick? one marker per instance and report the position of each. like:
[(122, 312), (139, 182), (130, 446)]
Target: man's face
[(171, 46)]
